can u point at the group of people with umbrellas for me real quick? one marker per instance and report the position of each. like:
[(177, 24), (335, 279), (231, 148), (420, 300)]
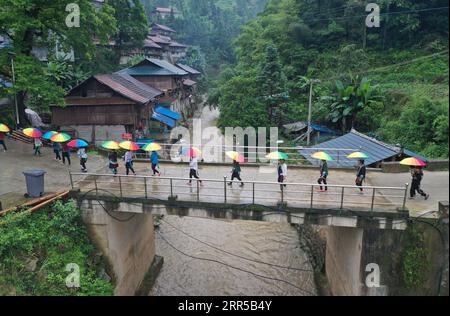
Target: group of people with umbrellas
[(62, 144)]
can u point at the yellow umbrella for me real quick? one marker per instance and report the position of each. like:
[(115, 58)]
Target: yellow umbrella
[(4, 128), (235, 156), (358, 155), (277, 155), (131, 146), (152, 147), (322, 156)]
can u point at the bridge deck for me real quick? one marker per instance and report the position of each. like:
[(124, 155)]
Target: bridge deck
[(298, 195)]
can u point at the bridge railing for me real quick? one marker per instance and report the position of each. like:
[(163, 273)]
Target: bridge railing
[(252, 154), (303, 195)]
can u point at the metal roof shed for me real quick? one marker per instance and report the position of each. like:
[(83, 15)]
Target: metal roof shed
[(355, 141)]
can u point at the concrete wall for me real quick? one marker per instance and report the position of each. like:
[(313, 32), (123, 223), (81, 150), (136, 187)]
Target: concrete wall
[(343, 260), (127, 242)]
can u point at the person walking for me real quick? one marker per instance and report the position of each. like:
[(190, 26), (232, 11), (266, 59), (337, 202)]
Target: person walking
[(236, 173), (57, 150), (113, 162), (2, 141), (83, 159), (417, 177), (193, 173), (154, 159), (361, 174), (323, 176), (129, 162), (282, 173), (37, 146), (65, 153)]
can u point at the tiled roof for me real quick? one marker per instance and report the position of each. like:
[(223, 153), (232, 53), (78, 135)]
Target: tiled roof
[(176, 44), (163, 27), (129, 87), (189, 69), (148, 43), (355, 141), (154, 67), (189, 82)]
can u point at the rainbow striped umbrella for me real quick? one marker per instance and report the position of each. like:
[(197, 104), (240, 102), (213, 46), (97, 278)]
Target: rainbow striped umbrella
[(60, 138), (111, 145), (322, 156), (413, 162), (277, 155), (235, 156), (358, 155), (152, 147), (191, 152), (131, 146), (4, 128), (49, 135), (32, 132), (78, 143)]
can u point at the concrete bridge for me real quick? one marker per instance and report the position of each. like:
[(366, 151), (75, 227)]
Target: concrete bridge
[(297, 203)]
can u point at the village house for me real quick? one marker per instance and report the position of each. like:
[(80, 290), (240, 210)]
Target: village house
[(105, 107), (177, 96), (165, 13)]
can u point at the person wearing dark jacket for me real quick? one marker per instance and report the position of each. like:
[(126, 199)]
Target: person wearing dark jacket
[(361, 174), (113, 162), (236, 173), (417, 176), (323, 176)]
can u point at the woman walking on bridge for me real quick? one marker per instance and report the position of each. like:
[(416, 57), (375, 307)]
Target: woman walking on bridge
[(361, 174), (113, 164), (323, 176), (154, 159), (66, 153), (193, 173), (2, 141), (83, 159), (129, 162), (236, 173), (282, 173), (417, 176)]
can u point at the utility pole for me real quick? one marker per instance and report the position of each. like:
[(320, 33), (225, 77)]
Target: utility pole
[(311, 82), (12, 55)]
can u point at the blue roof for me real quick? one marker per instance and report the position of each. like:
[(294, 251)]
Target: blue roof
[(323, 129), (352, 142), (173, 115), (164, 119)]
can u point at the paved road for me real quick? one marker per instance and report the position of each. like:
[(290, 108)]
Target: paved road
[(19, 158)]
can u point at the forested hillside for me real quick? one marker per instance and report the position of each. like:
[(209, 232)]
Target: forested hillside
[(210, 25), (390, 82)]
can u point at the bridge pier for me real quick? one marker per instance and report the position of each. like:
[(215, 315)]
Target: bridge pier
[(127, 241)]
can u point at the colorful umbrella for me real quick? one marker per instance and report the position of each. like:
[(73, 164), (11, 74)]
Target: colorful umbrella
[(131, 146), (235, 156), (358, 155), (4, 128), (413, 162), (49, 135), (277, 155), (32, 132), (78, 143), (60, 138), (111, 145), (191, 152), (152, 147), (322, 156)]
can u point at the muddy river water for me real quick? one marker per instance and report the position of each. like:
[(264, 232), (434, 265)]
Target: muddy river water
[(277, 265)]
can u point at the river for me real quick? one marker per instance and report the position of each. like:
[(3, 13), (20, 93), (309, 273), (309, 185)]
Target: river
[(276, 244), (234, 242)]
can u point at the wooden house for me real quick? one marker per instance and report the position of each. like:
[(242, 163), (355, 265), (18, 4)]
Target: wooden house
[(106, 106)]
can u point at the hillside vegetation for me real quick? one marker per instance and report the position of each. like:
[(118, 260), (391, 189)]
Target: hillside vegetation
[(389, 82)]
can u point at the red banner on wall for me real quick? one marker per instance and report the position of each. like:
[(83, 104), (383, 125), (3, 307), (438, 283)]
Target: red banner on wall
[(127, 136)]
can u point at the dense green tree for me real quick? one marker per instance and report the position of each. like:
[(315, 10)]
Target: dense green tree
[(43, 23)]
